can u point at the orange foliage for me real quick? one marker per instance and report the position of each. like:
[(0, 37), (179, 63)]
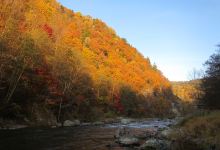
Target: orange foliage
[(103, 53)]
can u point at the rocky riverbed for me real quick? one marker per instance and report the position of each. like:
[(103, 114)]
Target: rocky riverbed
[(125, 134)]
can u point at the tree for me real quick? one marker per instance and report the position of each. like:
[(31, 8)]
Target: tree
[(211, 82), (195, 74), (128, 99), (26, 58)]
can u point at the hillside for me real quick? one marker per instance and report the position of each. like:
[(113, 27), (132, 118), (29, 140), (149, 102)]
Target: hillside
[(59, 63), (187, 91)]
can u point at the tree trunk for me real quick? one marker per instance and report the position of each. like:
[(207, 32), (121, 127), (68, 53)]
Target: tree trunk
[(14, 83)]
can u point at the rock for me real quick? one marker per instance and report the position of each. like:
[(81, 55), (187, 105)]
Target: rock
[(109, 120), (98, 123), (26, 120), (155, 144), (124, 138), (121, 132), (176, 111), (69, 123), (59, 124), (15, 127), (111, 145), (117, 133), (151, 132), (128, 141), (85, 124), (126, 121), (77, 122), (165, 133)]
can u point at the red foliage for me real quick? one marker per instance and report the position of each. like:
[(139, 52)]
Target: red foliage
[(22, 26), (48, 30), (39, 71), (53, 86), (117, 103), (79, 99)]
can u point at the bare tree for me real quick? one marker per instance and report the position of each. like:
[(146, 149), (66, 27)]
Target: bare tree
[(195, 74)]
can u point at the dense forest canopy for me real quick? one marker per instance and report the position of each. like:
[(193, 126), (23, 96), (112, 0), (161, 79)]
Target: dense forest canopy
[(70, 65)]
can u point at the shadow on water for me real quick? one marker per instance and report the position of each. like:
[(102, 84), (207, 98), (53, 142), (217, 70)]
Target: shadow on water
[(72, 138)]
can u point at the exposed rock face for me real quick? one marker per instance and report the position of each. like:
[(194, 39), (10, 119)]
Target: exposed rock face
[(69, 123)]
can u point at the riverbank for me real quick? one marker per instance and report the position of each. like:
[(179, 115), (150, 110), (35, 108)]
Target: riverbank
[(199, 131)]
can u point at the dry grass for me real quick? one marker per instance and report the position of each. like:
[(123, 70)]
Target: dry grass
[(199, 131)]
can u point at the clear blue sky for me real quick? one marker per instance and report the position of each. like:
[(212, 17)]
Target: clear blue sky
[(178, 35)]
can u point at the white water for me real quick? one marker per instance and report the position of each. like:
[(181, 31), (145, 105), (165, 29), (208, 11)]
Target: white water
[(154, 123)]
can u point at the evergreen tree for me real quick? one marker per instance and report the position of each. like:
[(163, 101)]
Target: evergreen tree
[(211, 83)]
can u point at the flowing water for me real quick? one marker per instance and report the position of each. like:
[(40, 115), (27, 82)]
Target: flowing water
[(73, 138)]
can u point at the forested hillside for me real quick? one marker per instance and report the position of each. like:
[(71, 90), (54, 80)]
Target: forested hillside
[(57, 63), (187, 91)]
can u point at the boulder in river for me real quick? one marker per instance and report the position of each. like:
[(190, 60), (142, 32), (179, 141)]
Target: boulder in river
[(121, 132), (59, 125), (86, 124), (165, 134), (126, 120), (69, 123), (98, 123), (155, 144), (16, 126), (110, 120), (128, 141), (151, 132)]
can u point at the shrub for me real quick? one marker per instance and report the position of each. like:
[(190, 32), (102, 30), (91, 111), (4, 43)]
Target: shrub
[(201, 130)]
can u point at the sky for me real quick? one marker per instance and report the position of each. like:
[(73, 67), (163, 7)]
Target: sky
[(177, 35)]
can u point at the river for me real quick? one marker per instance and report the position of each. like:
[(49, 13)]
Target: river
[(88, 137)]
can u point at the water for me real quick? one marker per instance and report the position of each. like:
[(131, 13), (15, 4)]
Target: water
[(152, 123), (72, 138)]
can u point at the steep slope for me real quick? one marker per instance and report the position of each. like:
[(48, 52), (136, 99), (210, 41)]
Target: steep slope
[(73, 64)]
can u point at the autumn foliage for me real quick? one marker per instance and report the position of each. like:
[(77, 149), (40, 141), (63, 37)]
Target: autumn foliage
[(79, 63)]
